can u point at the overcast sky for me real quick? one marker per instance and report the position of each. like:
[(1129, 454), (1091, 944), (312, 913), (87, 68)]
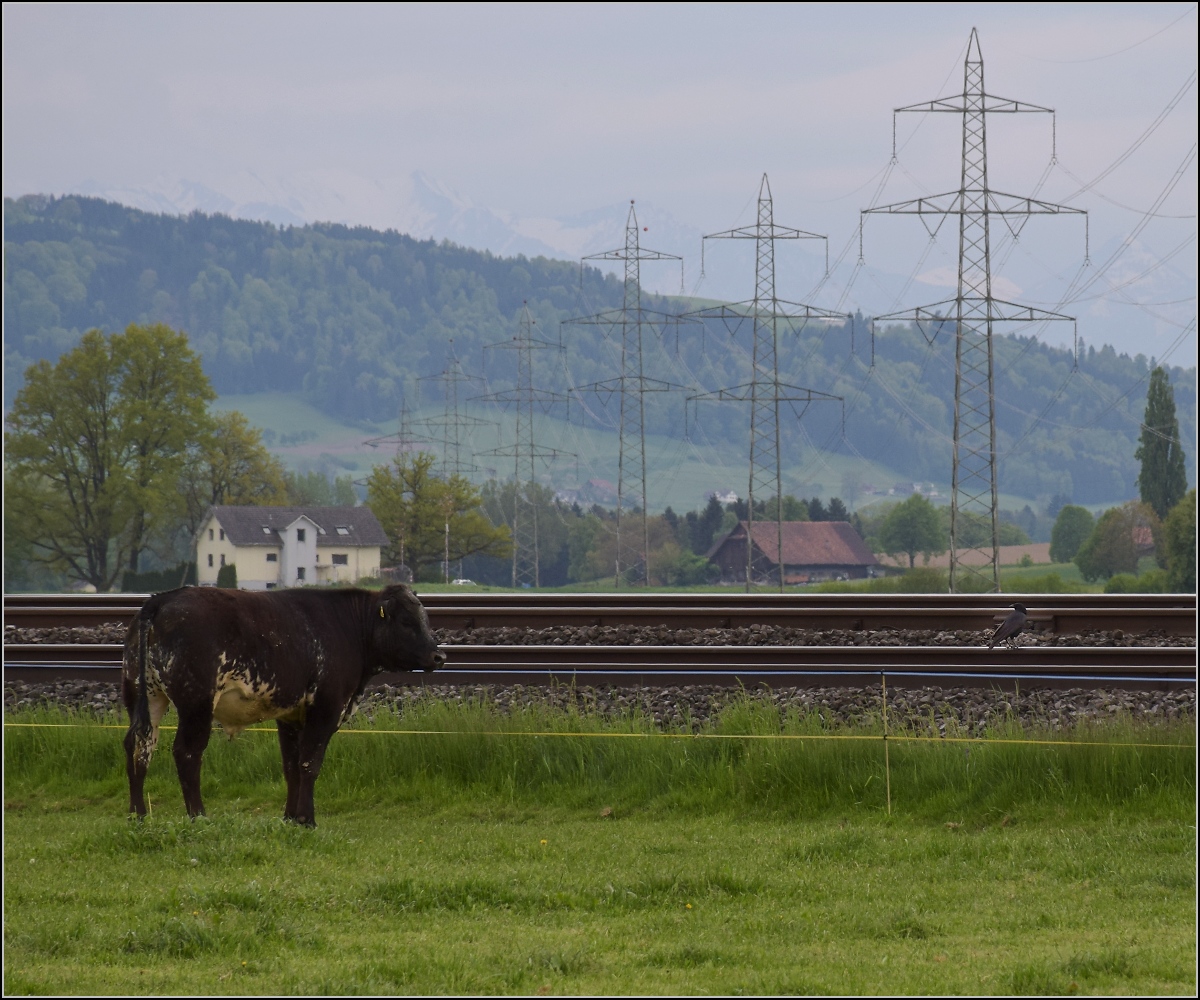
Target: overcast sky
[(550, 110)]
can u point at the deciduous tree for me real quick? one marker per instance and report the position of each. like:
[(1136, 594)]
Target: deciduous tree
[(1071, 530), (414, 506), (1179, 537), (1112, 547), (95, 446), (229, 465), (911, 527)]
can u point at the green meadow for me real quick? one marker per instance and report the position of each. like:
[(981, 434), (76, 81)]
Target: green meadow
[(461, 850)]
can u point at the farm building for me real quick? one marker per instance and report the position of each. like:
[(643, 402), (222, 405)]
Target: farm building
[(289, 546), (812, 551)]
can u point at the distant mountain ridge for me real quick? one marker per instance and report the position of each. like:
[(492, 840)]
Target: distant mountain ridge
[(353, 317)]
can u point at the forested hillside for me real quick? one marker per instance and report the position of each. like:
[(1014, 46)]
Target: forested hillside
[(353, 317)]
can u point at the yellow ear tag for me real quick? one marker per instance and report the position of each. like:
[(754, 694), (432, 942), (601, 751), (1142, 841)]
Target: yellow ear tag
[(381, 615)]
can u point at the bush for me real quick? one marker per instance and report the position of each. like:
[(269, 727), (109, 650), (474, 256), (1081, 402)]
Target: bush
[(924, 580), (227, 577), (1042, 583), (157, 581), (1153, 581)]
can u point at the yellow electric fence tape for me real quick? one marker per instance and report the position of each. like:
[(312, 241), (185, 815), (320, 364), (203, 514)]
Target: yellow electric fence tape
[(666, 736)]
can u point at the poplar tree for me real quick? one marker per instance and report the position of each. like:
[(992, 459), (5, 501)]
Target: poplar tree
[(1163, 480)]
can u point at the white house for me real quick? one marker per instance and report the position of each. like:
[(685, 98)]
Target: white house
[(289, 546)]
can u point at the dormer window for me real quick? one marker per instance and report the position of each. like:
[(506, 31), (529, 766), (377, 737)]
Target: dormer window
[(300, 535)]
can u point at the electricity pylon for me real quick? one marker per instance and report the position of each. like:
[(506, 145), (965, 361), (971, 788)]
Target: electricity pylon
[(631, 385), (974, 311), (404, 438), (453, 425), (525, 451), (764, 392)]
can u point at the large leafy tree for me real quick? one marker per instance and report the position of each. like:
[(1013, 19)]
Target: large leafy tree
[(911, 527), (1162, 481), (415, 506), (95, 447), (229, 465), (162, 408), (1071, 530)]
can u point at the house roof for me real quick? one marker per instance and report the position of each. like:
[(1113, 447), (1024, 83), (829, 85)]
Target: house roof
[(806, 543), (348, 526)]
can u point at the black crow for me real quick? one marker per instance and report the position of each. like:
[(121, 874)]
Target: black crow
[(1010, 628)]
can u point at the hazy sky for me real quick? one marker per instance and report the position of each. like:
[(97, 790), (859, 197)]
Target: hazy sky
[(549, 110)]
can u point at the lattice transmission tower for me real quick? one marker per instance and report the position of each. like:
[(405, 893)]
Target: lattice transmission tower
[(525, 451), (452, 430), (630, 385), (765, 391), (972, 313)]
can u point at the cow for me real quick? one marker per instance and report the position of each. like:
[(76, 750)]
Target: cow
[(301, 657)]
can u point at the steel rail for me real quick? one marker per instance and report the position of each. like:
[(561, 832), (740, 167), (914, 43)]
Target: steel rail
[(1142, 666), (1171, 613)]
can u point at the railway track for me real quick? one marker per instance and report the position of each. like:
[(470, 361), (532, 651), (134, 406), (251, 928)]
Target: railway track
[(1173, 614), (1141, 666)]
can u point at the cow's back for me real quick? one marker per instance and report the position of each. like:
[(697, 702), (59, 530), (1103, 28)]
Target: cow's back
[(249, 655)]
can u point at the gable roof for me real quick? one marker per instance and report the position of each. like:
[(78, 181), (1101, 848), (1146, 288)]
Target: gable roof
[(244, 525), (806, 543)]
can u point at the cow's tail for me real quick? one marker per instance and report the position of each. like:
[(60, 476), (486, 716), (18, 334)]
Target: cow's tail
[(140, 725)]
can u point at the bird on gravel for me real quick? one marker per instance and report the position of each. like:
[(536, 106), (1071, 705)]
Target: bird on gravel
[(1010, 628)]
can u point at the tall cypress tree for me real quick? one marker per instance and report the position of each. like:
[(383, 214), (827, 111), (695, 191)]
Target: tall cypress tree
[(1162, 481)]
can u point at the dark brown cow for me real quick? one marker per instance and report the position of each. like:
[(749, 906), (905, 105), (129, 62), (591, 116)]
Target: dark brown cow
[(301, 657)]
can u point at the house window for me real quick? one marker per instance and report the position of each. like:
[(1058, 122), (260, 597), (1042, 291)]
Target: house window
[(341, 559), (210, 538), (272, 557), (299, 534), (341, 529), (210, 556), (300, 573), (222, 560), (270, 586), (266, 530), (222, 534)]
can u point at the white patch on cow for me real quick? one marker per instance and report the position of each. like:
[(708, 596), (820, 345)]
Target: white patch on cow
[(240, 701), (159, 703)]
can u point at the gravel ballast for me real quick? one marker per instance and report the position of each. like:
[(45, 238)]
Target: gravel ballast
[(652, 635), (695, 705)]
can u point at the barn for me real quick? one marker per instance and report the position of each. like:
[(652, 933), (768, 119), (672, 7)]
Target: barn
[(812, 551)]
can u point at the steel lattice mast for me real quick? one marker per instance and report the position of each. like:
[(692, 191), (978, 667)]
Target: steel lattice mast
[(526, 569), (974, 311), (453, 425), (631, 384), (765, 391)]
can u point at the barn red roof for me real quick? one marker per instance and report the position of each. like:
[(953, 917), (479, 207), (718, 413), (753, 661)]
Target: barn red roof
[(807, 543)]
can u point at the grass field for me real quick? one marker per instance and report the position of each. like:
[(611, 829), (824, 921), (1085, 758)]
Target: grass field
[(497, 860)]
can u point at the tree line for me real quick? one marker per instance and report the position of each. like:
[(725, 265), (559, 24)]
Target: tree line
[(112, 456)]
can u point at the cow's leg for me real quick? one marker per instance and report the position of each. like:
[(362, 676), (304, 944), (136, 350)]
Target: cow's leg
[(289, 747), (314, 738), (139, 749), (195, 727)]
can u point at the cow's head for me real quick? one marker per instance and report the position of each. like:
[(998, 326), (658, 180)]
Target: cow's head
[(400, 632)]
